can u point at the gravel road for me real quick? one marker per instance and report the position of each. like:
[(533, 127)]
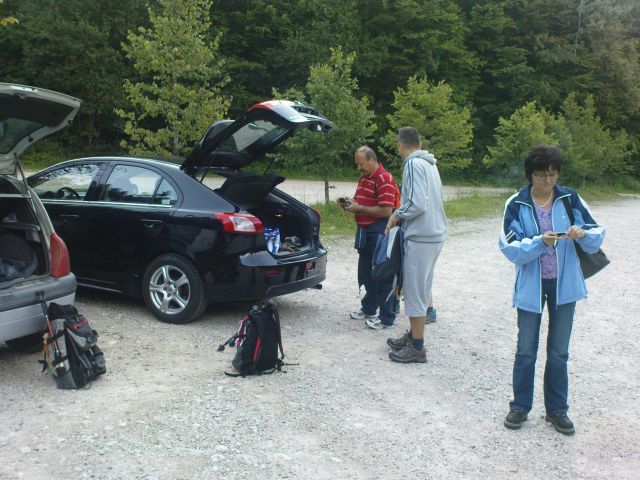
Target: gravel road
[(165, 410)]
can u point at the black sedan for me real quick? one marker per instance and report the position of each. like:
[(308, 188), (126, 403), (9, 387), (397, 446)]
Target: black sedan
[(184, 236)]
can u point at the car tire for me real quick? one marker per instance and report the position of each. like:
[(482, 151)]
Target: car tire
[(27, 344), (172, 288)]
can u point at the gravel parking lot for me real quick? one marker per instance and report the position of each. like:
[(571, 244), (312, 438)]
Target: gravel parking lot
[(165, 410)]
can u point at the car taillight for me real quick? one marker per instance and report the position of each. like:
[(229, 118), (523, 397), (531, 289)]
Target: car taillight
[(240, 223), (60, 265)]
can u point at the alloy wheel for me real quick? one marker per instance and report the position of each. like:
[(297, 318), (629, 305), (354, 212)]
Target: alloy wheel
[(170, 290)]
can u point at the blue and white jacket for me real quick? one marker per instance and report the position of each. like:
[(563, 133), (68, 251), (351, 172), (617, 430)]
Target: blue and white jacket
[(521, 242)]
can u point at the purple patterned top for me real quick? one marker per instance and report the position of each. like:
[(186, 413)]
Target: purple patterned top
[(548, 262)]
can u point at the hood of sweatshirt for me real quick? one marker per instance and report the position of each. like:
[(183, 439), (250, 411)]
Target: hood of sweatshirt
[(421, 154)]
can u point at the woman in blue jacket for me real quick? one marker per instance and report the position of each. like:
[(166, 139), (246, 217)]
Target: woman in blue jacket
[(538, 237)]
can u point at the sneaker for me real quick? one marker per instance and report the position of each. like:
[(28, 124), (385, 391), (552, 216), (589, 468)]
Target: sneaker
[(408, 354), (397, 343), (561, 422), (515, 419), (376, 324), (431, 316), (360, 315)]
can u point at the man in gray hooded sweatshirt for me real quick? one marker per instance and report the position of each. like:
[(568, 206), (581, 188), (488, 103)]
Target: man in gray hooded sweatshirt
[(424, 225)]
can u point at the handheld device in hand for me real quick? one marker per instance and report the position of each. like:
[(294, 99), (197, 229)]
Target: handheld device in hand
[(344, 202), (559, 234)]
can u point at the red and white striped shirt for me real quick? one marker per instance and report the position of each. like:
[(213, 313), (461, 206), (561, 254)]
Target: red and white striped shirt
[(378, 189)]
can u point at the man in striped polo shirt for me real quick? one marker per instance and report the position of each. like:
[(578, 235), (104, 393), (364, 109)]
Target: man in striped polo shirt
[(375, 199)]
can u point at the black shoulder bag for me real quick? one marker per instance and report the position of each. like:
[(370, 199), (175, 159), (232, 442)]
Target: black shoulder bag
[(590, 263)]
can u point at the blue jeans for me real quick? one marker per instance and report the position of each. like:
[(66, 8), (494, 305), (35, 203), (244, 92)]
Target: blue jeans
[(376, 292), (556, 381)]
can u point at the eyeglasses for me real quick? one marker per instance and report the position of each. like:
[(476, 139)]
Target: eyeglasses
[(546, 175)]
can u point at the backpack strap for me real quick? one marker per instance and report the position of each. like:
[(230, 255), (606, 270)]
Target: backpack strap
[(259, 324), (276, 319)]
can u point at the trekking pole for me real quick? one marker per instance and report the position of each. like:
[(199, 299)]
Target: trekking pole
[(56, 349)]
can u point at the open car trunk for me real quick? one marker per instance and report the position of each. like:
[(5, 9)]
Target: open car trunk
[(276, 210), (22, 250)]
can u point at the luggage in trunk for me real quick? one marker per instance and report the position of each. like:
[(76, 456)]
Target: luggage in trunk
[(22, 252), (254, 193)]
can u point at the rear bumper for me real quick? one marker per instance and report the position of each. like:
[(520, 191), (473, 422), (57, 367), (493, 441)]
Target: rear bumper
[(257, 279), (20, 308)]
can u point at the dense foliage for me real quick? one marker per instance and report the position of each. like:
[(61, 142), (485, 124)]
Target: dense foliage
[(482, 81), (180, 80)]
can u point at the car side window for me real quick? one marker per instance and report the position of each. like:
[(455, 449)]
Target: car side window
[(165, 195), (130, 184), (66, 183)]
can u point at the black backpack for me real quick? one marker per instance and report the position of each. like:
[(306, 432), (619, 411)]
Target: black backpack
[(258, 340), (71, 353)]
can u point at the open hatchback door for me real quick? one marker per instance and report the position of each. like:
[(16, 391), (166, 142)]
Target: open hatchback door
[(34, 261), (28, 114), (234, 144)]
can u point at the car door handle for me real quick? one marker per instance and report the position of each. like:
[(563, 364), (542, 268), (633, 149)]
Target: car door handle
[(68, 218), (150, 223)]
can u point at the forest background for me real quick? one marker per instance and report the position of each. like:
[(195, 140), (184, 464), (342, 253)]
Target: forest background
[(483, 81)]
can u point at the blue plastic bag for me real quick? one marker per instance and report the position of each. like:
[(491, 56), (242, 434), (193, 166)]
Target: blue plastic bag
[(272, 239)]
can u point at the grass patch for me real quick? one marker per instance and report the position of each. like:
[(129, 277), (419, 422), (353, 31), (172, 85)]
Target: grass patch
[(335, 220), (475, 205)]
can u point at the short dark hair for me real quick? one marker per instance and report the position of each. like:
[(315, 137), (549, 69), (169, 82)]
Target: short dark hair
[(409, 137), (541, 158), (368, 153)]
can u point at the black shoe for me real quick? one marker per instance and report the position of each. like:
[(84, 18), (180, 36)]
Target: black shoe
[(561, 422), (515, 419)]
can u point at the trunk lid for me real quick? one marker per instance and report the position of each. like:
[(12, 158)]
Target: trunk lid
[(235, 144), (28, 114)]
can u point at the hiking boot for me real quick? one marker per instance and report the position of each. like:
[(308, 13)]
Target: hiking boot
[(397, 343), (377, 324), (431, 316), (561, 422), (360, 315), (408, 354), (515, 419)]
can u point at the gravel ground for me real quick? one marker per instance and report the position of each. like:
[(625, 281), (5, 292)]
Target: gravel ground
[(164, 410)]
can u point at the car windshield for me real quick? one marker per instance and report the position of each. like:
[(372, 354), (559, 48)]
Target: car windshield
[(12, 130), (252, 137)]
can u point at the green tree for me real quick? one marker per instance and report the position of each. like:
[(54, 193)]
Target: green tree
[(445, 128), (612, 48), (331, 89), (424, 38), (253, 41), (593, 152), (514, 137), (505, 78), (178, 93), (73, 47)]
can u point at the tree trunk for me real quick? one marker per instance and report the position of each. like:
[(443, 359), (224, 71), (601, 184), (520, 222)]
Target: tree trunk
[(579, 29), (326, 185), (326, 191)]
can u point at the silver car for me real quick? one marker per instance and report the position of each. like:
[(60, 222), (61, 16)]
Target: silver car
[(34, 261)]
